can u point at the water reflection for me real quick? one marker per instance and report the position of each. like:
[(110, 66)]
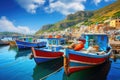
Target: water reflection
[(20, 53), (12, 48), (2, 46), (26, 69), (96, 73), (44, 69)]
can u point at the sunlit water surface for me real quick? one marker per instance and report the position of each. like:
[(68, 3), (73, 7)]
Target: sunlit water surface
[(16, 65)]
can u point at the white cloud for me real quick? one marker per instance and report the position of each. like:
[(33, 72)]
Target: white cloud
[(7, 25), (30, 5), (97, 1), (106, 0), (65, 7)]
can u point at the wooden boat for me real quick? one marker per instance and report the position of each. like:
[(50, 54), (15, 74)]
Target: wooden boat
[(99, 72), (12, 43), (50, 52), (87, 57), (2, 42), (27, 43)]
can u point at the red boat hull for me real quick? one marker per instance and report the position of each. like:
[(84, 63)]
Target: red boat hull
[(86, 60), (43, 56), (77, 63)]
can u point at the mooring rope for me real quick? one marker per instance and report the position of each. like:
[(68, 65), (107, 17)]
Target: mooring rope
[(51, 73)]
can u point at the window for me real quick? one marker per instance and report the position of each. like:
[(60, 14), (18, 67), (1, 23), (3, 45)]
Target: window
[(61, 42), (50, 42), (54, 42)]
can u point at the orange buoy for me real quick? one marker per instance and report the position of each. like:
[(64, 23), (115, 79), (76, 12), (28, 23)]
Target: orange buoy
[(57, 36), (79, 46), (50, 36)]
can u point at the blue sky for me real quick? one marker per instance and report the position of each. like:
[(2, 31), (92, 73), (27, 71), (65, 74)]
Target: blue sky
[(27, 16)]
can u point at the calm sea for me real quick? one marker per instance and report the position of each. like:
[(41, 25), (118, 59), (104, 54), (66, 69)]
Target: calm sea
[(16, 65)]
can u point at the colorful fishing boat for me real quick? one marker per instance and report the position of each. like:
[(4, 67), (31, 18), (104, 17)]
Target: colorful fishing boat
[(50, 52), (95, 51), (28, 42), (12, 43), (2, 42)]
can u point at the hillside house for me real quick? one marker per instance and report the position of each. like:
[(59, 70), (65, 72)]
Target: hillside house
[(115, 23)]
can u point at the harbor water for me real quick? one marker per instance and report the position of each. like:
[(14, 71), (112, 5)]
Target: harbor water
[(16, 65)]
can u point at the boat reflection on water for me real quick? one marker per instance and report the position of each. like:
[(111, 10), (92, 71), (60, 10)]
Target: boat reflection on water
[(96, 73), (20, 53), (53, 70), (44, 69), (12, 48)]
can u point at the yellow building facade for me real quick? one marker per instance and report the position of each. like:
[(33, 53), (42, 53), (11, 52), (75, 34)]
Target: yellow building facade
[(115, 23)]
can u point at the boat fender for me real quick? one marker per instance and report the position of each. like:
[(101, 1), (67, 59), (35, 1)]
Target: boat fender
[(57, 36), (79, 46), (50, 36)]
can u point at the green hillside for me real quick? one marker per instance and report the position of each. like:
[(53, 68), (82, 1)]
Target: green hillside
[(106, 12), (70, 21), (87, 17)]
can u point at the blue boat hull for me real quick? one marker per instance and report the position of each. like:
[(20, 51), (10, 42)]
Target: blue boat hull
[(28, 45), (41, 60)]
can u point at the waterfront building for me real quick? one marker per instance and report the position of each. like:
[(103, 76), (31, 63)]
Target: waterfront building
[(115, 23)]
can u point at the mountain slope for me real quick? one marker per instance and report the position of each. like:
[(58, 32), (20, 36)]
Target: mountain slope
[(106, 12), (70, 21), (87, 17)]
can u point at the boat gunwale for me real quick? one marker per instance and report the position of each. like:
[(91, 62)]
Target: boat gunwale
[(28, 42), (92, 55)]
